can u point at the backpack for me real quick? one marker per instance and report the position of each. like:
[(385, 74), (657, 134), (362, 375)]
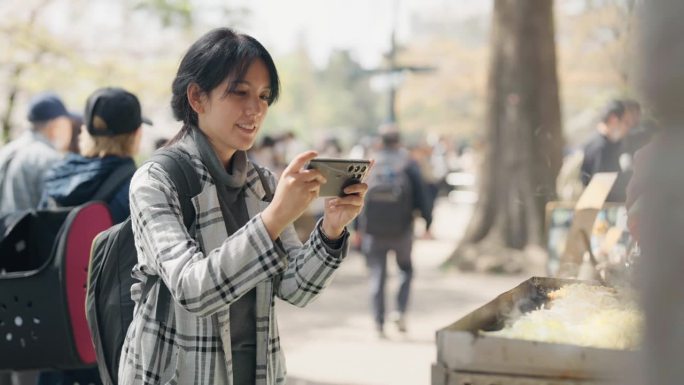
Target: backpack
[(388, 210), (109, 307), (47, 251)]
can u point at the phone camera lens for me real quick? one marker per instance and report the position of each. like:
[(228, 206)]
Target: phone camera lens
[(363, 169), (350, 169), (357, 168)]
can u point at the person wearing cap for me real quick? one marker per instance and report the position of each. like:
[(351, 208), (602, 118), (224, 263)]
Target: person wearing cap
[(24, 161), (602, 152), (110, 140)]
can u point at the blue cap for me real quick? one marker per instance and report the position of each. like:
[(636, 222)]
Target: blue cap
[(46, 106)]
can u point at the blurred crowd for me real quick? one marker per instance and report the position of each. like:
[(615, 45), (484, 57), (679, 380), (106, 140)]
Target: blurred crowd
[(437, 156), (63, 157)]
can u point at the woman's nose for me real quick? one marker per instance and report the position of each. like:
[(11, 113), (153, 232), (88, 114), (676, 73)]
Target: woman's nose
[(255, 107)]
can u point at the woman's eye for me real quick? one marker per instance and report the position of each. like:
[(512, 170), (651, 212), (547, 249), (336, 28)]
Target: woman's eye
[(239, 91), (266, 97)]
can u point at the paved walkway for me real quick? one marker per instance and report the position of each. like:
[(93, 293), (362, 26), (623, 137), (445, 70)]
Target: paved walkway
[(332, 341)]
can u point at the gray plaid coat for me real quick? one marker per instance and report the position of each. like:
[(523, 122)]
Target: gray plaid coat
[(205, 272)]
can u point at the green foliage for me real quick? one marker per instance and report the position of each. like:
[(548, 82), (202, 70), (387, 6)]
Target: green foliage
[(595, 55), (170, 12), (335, 100), (593, 45), (451, 99)]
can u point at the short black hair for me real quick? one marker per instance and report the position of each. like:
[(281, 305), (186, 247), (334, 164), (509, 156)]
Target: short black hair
[(218, 55), (613, 108)]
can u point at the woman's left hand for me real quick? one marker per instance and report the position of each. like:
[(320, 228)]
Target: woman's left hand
[(340, 211)]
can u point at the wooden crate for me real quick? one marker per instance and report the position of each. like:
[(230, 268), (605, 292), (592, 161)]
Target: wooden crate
[(442, 376)]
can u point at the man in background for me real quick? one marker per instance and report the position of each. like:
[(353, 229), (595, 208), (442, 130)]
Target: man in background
[(395, 190), (23, 161), (602, 152)]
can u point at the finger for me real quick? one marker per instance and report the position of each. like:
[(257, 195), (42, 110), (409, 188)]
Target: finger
[(357, 188), (349, 200), (308, 186), (299, 161), (314, 186), (310, 175)]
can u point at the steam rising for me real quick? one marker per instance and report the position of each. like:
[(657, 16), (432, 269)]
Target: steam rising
[(580, 314)]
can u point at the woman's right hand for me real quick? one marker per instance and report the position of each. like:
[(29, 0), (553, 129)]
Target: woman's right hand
[(297, 188)]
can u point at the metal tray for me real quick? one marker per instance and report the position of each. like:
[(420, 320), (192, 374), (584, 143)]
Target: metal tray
[(460, 346)]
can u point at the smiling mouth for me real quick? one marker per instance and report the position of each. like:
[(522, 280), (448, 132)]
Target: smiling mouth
[(248, 127)]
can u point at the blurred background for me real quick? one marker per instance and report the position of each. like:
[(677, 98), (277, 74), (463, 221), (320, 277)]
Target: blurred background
[(494, 99), (334, 59)]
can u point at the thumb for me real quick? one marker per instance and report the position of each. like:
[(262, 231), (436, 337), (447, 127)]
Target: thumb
[(299, 161)]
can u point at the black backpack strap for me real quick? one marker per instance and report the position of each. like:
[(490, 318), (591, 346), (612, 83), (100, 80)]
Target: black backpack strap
[(111, 185), (184, 176), (264, 183), (187, 182)]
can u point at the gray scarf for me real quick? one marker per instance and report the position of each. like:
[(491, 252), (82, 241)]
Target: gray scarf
[(230, 182)]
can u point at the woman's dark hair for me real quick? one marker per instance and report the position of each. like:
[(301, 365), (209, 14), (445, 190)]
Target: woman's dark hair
[(218, 55)]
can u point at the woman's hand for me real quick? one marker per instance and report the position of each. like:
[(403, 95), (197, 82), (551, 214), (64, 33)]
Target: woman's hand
[(340, 211), (297, 188)]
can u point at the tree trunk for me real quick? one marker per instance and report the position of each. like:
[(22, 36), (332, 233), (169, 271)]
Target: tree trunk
[(16, 73), (11, 100), (523, 152)]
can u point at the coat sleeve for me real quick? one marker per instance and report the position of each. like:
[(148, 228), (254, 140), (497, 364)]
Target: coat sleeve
[(310, 266), (200, 283)]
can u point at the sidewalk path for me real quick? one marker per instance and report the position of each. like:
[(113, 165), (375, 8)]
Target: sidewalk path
[(332, 341)]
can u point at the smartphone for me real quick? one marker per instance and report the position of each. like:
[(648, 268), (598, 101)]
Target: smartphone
[(339, 173)]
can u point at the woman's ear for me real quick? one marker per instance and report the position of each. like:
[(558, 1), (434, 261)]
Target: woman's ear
[(195, 97)]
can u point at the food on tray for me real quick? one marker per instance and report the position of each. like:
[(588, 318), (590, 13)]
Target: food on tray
[(583, 315)]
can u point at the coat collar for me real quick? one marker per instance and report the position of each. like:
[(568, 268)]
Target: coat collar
[(253, 189)]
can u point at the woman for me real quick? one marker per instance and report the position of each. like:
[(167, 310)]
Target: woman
[(242, 251)]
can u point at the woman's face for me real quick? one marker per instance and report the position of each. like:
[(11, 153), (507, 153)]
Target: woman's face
[(232, 119)]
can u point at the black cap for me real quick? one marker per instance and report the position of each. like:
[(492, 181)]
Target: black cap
[(113, 111), (614, 107), (46, 106)]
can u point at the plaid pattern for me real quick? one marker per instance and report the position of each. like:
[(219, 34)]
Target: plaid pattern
[(206, 272)]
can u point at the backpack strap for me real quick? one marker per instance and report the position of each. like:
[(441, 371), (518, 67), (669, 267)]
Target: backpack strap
[(264, 183), (187, 182), (183, 175), (114, 181)]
